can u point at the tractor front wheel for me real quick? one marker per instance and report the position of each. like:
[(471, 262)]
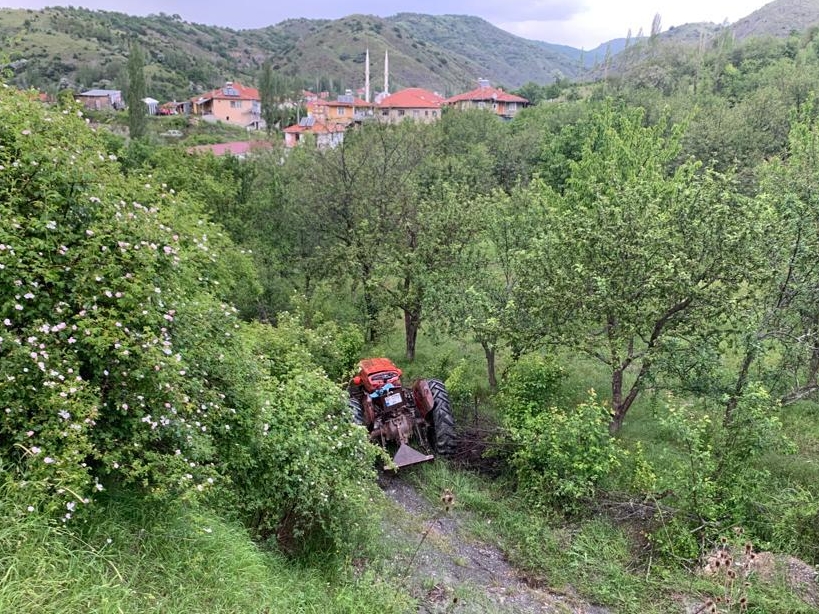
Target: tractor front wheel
[(441, 423)]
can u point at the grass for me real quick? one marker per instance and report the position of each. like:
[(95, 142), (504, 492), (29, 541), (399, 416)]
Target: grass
[(593, 558), (131, 556)]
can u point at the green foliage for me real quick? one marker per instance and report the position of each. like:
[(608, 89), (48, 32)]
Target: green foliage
[(792, 522), (716, 480), (559, 455), (137, 114), (123, 362), (137, 556), (531, 383)]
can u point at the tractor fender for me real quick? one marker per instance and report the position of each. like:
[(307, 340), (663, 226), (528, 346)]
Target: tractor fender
[(422, 395)]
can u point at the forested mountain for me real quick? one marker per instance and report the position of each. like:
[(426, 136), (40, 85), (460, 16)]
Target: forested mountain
[(78, 48)]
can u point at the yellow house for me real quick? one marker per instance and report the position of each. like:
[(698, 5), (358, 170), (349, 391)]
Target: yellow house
[(232, 103)]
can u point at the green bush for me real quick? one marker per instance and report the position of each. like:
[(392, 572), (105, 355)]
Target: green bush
[(715, 480), (559, 454), (531, 383), (122, 359)]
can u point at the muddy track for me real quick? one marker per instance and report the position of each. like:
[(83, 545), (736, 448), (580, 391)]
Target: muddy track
[(449, 571)]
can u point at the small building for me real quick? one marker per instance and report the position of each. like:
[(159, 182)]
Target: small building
[(232, 103), (326, 134), (345, 108), (151, 106), (100, 100), (412, 103), (485, 96)]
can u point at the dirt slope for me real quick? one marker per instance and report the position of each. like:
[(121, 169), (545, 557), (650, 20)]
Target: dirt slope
[(452, 572)]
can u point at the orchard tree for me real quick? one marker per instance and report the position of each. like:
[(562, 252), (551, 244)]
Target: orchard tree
[(475, 294), (637, 251)]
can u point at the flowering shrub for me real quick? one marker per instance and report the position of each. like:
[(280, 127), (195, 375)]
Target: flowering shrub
[(121, 356)]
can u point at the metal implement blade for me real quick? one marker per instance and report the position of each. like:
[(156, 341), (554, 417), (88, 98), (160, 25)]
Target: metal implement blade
[(409, 456)]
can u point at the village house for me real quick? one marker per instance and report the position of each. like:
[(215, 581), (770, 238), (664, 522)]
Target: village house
[(232, 103), (100, 100), (326, 134), (485, 96), (345, 108), (412, 103)]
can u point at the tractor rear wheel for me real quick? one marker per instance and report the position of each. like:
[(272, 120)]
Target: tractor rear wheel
[(441, 424), (356, 411)]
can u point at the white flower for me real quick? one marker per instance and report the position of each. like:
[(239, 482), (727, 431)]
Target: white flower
[(51, 225), (48, 460), (35, 450)]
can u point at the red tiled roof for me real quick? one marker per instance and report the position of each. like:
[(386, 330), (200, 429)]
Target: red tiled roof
[(317, 128), (236, 148), (487, 94), (413, 98), (242, 93), (357, 102)]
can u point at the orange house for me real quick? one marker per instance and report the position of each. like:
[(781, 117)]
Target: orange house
[(232, 103), (345, 108), (495, 99)]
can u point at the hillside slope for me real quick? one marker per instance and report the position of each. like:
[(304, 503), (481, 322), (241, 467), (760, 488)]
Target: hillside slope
[(79, 48)]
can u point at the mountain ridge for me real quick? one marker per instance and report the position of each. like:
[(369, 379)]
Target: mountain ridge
[(78, 48)]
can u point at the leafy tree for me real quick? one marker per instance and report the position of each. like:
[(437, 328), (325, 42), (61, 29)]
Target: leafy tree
[(137, 118), (635, 252), (475, 295)]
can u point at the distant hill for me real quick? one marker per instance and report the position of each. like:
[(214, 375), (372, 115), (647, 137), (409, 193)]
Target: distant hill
[(80, 48), (779, 18)]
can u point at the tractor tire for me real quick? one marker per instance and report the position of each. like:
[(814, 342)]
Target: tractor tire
[(356, 411), (441, 432)]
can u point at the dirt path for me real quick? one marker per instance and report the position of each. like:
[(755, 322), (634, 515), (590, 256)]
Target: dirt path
[(452, 572)]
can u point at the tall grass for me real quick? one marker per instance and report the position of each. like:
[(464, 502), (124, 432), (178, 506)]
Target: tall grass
[(132, 556)]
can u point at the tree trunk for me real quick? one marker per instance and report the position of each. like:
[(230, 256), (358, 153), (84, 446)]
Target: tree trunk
[(370, 305), (412, 322), (617, 405), (489, 352), (742, 380)]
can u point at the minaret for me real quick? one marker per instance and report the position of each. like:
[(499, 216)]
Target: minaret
[(367, 77), (386, 72)]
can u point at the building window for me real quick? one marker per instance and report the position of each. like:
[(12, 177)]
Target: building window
[(511, 107), (385, 113), (426, 113), (435, 114), (235, 104), (400, 112), (341, 110), (416, 113)]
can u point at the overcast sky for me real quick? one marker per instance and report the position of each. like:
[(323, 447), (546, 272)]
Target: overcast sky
[(579, 23)]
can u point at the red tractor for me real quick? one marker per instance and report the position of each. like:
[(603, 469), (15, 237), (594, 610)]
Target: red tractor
[(393, 413)]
